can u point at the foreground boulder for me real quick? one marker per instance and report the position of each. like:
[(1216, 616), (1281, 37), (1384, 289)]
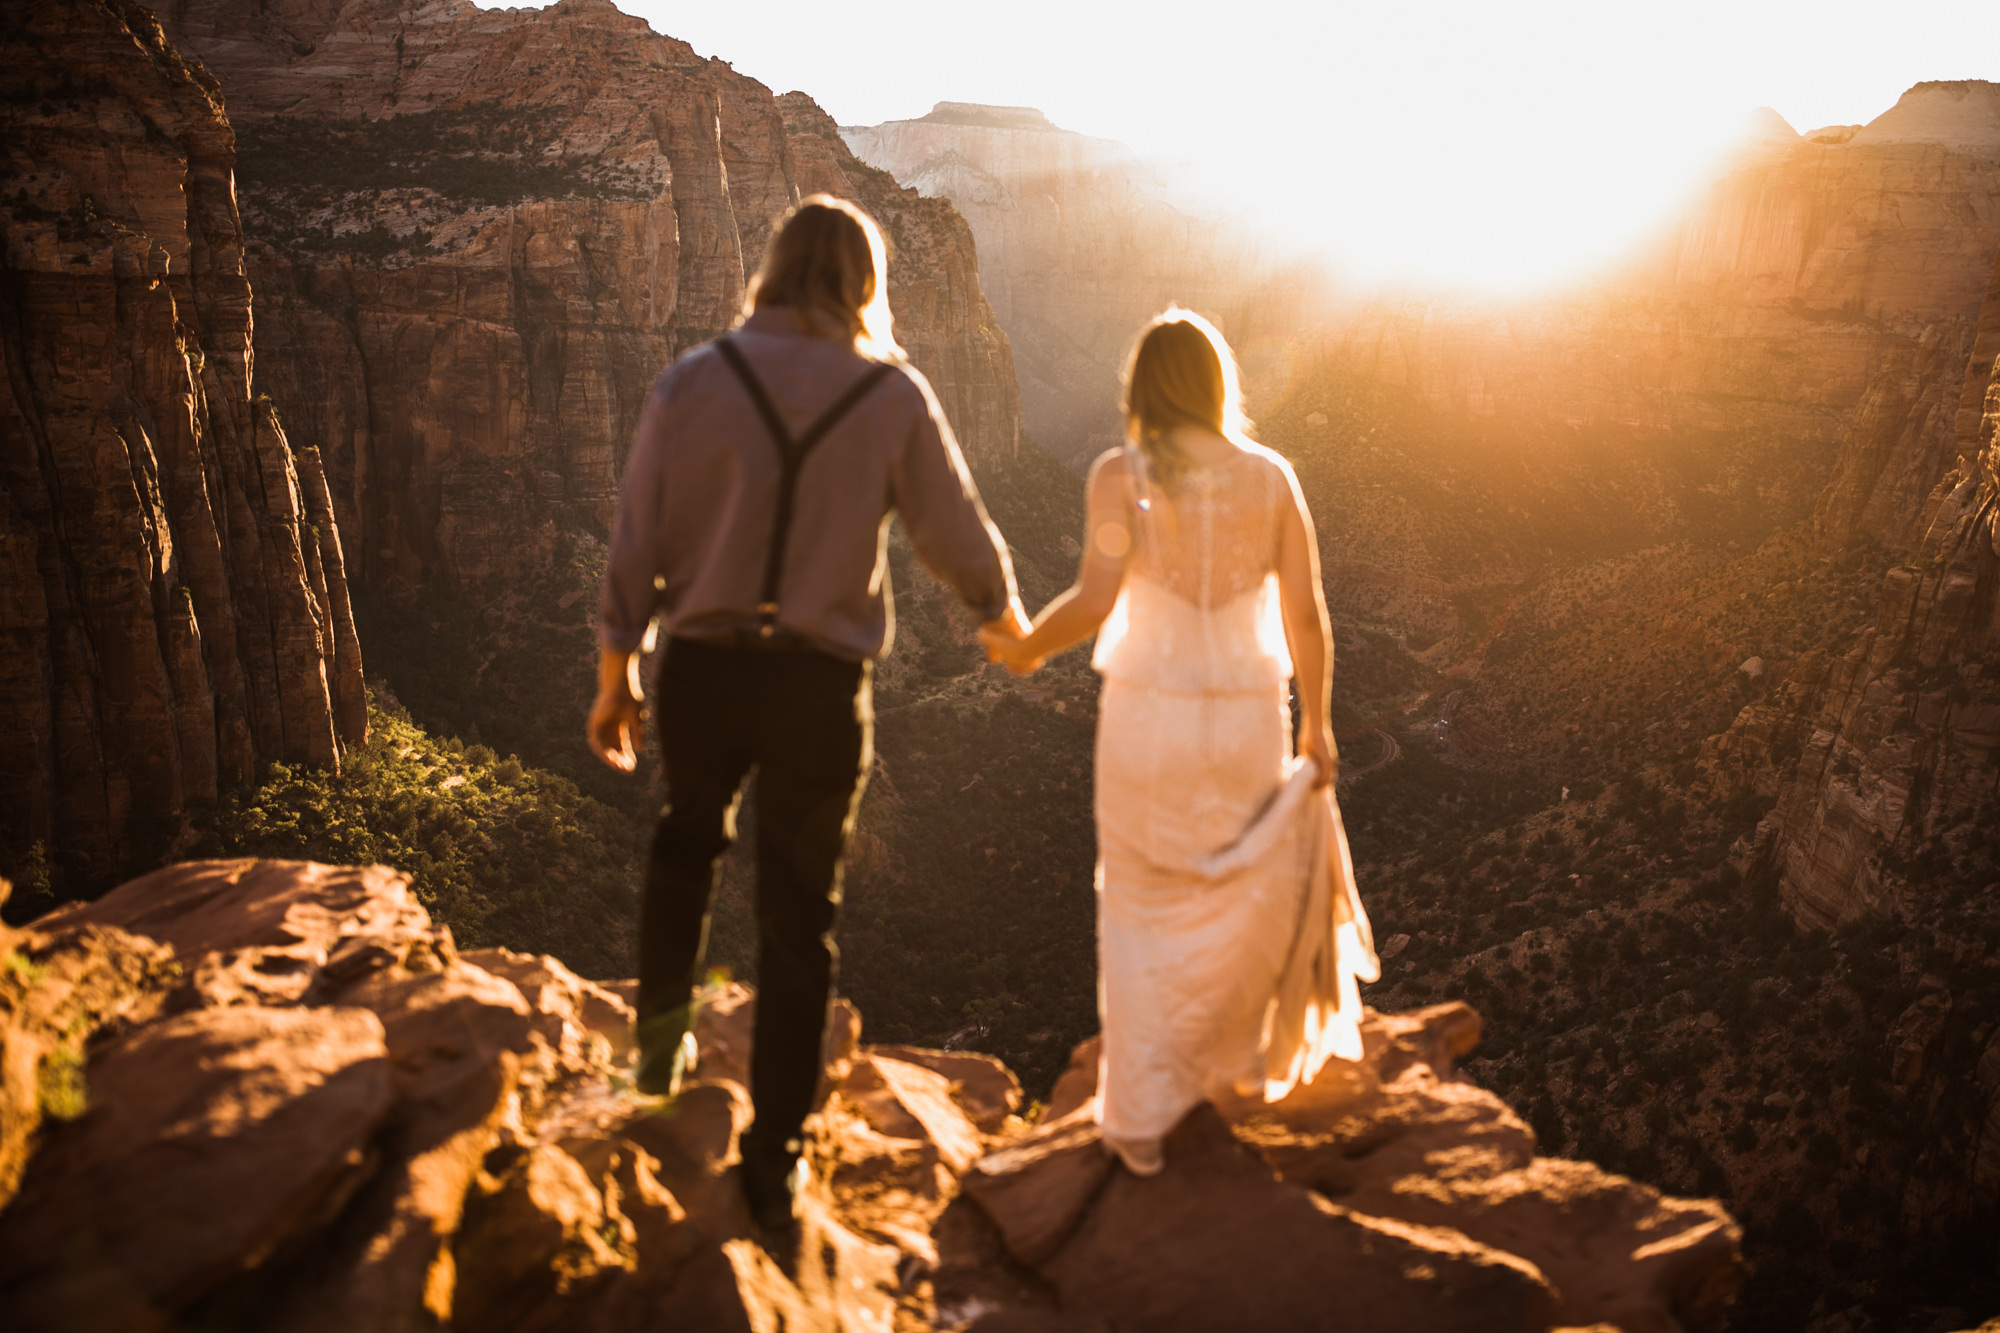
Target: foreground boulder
[(1386, 1194), (301, 1107)]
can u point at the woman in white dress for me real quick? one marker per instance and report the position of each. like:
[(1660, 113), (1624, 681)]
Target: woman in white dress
[(1230, 938)]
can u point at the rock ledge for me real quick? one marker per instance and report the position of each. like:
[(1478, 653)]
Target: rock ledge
[(302, 1107)]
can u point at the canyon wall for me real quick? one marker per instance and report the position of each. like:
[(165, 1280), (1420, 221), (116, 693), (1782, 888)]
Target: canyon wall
[(477, 235), (1897, 738), (173, 602), (1881, 753), (1496, 478), (1080, 241)]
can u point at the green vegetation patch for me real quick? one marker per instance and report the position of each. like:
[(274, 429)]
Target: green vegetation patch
[(500, 852), (59, 1082)]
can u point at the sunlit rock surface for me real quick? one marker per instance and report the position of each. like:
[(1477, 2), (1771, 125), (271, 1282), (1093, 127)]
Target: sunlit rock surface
[(479, 234), (173, 599), (1080, 241), (296, 1105), (1963, 114)]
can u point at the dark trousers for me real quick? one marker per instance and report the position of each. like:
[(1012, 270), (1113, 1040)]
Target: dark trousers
[(805, 722)]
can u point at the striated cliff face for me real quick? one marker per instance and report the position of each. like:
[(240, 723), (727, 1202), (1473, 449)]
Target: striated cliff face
[(1079, 243), (479, 234), (173, 602), (1898, 738), (302, 1106), (1881, 760)]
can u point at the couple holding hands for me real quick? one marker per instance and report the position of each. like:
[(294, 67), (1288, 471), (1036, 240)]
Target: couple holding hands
[(753, 522)]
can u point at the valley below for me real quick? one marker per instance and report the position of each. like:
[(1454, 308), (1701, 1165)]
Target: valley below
[(1667, 606)]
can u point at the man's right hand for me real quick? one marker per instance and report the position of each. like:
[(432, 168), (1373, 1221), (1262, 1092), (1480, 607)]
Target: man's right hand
[(614, 730), (1011, 624)]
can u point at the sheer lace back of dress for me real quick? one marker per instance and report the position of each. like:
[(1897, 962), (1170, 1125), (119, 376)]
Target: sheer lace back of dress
[(1199, 608)]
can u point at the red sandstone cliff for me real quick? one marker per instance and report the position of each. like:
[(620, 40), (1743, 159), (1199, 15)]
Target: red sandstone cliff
[(1897, 737), (1079, 243), (481, 233), (173, 606)]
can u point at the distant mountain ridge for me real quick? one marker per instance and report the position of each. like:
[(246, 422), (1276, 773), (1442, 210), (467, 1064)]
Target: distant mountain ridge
[(1962, 114), (1080, 241), (990, 117)]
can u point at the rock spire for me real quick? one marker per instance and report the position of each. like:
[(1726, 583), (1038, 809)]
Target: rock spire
[(173, 599)]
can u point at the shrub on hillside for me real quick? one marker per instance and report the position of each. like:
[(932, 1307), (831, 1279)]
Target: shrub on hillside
[(501, 853)]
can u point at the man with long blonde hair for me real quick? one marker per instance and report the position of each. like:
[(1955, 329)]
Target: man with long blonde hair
[(753, 524)]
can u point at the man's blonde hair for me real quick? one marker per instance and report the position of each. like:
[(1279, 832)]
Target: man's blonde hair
[(827, 258)]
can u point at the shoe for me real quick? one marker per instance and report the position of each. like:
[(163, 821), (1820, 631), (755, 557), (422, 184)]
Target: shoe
[(773, 1191), (663, 1068)]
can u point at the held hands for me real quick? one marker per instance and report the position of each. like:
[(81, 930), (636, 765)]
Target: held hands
[(1004, 641)]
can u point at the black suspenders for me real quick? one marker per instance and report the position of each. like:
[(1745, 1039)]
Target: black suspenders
[(791, 458)]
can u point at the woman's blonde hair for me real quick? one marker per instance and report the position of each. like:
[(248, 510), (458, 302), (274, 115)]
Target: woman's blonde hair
[(1180, 373), (826, 258)]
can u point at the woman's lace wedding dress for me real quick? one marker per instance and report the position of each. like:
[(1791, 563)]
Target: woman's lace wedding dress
[(1230, 936)]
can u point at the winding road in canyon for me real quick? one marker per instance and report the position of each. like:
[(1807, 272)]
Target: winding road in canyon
[(1390, 750)]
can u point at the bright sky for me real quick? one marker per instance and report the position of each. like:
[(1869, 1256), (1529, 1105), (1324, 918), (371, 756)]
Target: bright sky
[(1497, 144)]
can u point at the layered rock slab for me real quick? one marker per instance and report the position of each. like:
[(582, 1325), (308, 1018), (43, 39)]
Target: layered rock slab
[(1418, 1196), (272, 1112), (398, 1137), (352, 1125), (173, 599)]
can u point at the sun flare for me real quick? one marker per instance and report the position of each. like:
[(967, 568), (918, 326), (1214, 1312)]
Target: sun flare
[(1457, 144)]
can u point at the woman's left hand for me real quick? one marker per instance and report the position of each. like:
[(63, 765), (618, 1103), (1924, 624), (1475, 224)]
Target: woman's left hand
[(1316, 744)]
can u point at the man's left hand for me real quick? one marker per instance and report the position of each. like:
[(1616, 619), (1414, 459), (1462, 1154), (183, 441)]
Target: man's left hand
[(613, 728)]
